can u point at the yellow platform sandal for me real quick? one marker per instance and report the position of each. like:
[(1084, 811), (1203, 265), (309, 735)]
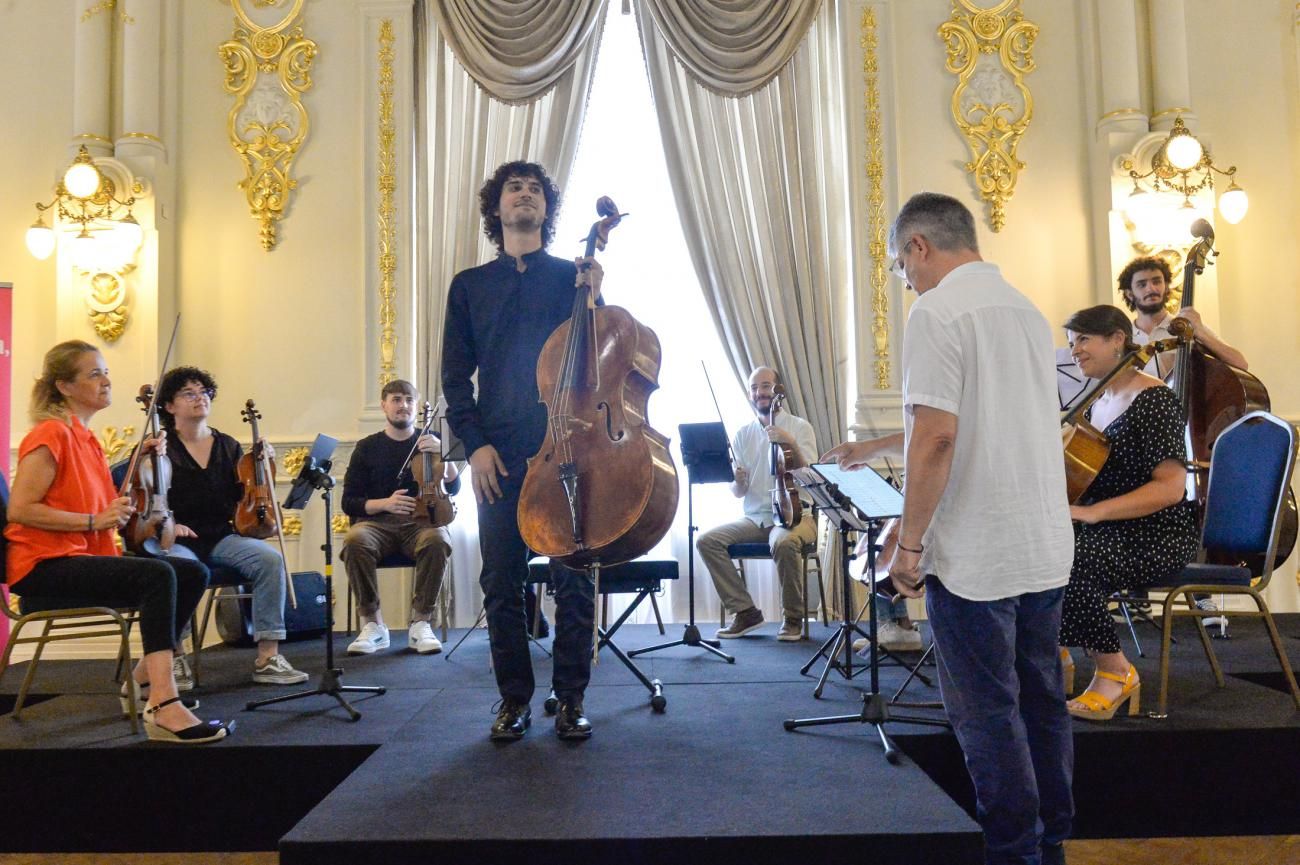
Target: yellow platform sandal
[(1067, 670), (1091, 706)]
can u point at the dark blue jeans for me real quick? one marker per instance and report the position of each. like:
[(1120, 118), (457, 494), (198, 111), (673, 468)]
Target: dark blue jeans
[(1000, 676), (505, 571)]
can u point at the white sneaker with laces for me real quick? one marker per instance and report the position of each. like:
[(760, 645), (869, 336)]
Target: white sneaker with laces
[(420, 638), (896, 638), (182, 673), (1207, 605), (373, 637), (277, 671)]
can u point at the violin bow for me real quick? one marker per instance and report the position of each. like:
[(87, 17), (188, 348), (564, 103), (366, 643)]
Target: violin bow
[(150, 412), (279, 528)]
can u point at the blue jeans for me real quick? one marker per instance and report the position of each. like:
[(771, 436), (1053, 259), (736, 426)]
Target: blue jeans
[(1000, 677), (259, 563), (890, 611)]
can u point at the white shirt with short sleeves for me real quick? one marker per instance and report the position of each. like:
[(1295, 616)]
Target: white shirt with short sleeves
[(1162, 365), (977, 348), (753, 451)]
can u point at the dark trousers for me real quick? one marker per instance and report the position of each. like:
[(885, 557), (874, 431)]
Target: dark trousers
[(1000, 677), (505, 571), (166, 591)]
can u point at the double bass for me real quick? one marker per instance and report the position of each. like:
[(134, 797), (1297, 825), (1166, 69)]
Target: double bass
[(787, 509), (1214, 394), (602, 489)]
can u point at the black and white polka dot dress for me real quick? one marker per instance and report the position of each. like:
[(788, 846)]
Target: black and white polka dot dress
[(1127, 554)]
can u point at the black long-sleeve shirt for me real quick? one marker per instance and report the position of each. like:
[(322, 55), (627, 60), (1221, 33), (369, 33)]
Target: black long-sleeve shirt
[(204, 499), (372, 474), (497, 321)]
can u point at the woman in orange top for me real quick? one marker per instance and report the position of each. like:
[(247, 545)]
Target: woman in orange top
[(63, 514)]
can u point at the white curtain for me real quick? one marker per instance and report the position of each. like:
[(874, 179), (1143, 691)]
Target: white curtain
[(465, 53), (760, 183)]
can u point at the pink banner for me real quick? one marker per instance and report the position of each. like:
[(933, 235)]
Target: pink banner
[(6, 384)]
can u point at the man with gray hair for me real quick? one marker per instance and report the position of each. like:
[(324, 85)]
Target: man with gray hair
[(985, 534)]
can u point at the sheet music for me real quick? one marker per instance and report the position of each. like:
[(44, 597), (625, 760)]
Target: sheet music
[(870, 493)]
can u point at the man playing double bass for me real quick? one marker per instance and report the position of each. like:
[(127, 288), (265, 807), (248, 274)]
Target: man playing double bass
[(499, 316), (752, 447)]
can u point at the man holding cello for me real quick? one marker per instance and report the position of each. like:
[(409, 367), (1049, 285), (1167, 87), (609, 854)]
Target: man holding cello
[(384, 513), (752, 449), (499, 316), (204, 494)]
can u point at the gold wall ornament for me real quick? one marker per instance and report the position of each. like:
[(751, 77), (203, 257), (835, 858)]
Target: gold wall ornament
[(991, 51), (115, 443), (267, 70), (340, 524), (105, 6), (107, 307), (292, 460), (292, 527), (877, 245), (387, 211)]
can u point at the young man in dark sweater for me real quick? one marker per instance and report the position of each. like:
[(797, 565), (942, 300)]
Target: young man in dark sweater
[(383, 509)]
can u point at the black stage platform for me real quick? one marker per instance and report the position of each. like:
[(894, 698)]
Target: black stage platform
[(715, 778)]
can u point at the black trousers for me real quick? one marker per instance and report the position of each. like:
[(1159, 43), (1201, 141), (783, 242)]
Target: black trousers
[(505, 572), (166, 591)]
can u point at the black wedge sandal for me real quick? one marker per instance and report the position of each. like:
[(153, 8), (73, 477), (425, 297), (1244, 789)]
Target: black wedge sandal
[(190, 703), (199, 734)]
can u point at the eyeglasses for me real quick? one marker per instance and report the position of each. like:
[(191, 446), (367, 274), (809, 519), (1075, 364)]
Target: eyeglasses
[(196, 395), (896, 267)]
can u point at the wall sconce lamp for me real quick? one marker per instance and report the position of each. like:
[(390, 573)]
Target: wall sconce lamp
[(86, 198), (1182, 166)]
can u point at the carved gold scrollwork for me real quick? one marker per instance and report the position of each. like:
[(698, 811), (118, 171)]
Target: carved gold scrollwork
[(293, 459), (114, 442), (341, 524), (876, 200), (387, 220), (267, 70), (991, 51), (292, 525), (107, 307)]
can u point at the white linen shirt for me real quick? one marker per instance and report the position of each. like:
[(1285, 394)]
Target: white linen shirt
[(977, 348), (753, 450), (1162, 365)]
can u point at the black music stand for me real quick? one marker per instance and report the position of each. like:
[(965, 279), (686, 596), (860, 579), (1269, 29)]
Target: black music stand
[(706, 453), (315, 476), (878, 502)]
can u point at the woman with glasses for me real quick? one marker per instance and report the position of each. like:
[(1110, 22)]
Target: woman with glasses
[(61, 551), (205, 490)]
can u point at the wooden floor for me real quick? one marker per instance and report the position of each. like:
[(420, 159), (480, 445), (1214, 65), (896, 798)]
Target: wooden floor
[(1267, 850)]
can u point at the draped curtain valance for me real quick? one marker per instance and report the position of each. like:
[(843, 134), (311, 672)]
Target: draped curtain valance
[(516, 50), (732, 47)]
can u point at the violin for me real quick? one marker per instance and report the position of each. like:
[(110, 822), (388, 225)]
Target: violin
[(787, 508), (1086, 447), (436, 507), (152, 527), (258, 513), (602, 488)]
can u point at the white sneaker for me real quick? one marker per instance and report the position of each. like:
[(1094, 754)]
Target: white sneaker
[(373, 637), (420, 638), (277, 671), (896, 638), (1207, 605), (182, 673)]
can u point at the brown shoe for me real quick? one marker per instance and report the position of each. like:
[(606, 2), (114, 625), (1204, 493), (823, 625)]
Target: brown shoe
[(741, 624), (791, 631)]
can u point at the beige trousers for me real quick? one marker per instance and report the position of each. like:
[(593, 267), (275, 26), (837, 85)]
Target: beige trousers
[(786, 545)]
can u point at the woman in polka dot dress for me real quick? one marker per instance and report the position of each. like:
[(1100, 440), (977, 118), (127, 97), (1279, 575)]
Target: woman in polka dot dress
[(1132, 526)]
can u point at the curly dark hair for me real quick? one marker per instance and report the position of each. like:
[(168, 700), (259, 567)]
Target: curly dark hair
[(172, 383), (1125, 280), (1102, 320), (489, 200)]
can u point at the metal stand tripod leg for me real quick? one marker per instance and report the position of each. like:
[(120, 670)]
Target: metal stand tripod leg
[(329, 684), (691, 634)]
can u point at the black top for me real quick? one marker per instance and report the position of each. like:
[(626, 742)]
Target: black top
[(204, 499), (497, 321), (372, 474), (1150, 431)]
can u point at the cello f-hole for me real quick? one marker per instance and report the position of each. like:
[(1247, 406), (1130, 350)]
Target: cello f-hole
[(609, 423)]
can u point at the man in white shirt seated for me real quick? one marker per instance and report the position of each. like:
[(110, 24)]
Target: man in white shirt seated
[(752, 450)]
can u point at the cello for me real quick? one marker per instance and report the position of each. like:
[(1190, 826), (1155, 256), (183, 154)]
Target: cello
[(602, 489), (787, 508), (1214, 394)]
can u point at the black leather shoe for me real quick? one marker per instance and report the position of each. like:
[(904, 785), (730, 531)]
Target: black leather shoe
[(570, 723), (512, 721)]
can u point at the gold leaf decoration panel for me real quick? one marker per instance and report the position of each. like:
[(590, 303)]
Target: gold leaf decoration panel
[(876, 199), (387, 232), (268, 68), (990, 50)]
